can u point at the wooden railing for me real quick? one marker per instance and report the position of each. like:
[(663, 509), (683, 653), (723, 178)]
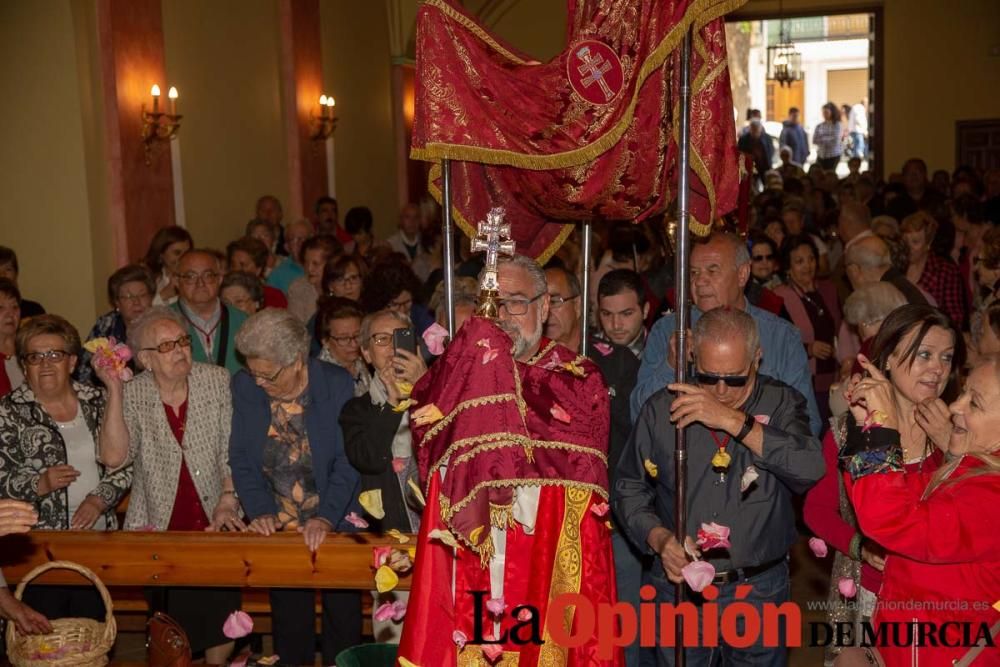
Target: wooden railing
[(200, 559)]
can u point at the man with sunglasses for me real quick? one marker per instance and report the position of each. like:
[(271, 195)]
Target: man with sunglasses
[(211, 323), (749, 451), (720, 268)]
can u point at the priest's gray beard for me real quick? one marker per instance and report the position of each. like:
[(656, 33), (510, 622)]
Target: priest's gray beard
[(521, 344)]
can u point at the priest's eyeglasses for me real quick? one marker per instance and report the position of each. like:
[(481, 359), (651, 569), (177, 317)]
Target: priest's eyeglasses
[(169, 345), (516, 306)]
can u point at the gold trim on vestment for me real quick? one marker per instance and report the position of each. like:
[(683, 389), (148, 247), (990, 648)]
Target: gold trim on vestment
[(472, 656), (567, 573), (462, 407), (474, 28), (500, 440)]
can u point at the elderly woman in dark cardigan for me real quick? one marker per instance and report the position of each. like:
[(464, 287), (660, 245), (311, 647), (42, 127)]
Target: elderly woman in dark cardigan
[(287, 456)]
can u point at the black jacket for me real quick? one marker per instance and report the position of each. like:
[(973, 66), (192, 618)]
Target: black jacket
[(368, 433)]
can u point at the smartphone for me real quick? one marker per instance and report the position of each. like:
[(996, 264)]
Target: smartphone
[(403, 339)]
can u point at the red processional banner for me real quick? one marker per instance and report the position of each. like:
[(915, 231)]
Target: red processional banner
[(591, 134)]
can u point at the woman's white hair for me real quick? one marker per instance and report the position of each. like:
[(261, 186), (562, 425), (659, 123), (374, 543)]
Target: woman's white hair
[(366, 324), (872, 303), (275, 335), (140, 327)]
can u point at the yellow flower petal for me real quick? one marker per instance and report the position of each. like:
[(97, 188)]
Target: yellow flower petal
[(95, 344), (372, 502), (404, 405), (651, 468), (444, 536), (575, 368), (405, 388), (403, 662), (413, 553), (385, 579), (721, 459), (417, 493), (396, 535), (475, 534), (428, 414)]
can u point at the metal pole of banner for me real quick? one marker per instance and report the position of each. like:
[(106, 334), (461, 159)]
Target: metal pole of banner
[(448, 246), (683, 297), (585, 314)]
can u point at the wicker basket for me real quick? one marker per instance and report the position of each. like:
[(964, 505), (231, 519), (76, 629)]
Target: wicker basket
[(74, 642)]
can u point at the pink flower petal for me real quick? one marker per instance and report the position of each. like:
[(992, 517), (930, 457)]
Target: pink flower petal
[(238, 624), (459, 638), (698, 575), (818, 547), (380, 556), (434, 338), (603, 348), (492, 652), (713, 536), (750, 476), (762, 419), (600, 509), (847, 587), (524, 615), (489, 355), (384, 612), (559, 413), (398, 610), (496, 606), (356, 520), (398, 464)]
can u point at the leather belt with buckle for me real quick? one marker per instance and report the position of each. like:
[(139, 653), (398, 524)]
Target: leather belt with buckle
[(741, 573)]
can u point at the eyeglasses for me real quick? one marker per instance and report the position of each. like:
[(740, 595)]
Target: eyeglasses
[(142, 296), (762, 258), (405, 304), (344, 341), (712, 379), (348, 280), (381, 339), (557, 301), (36, 358), (190, 278), (169, 345), (269, 379), (518, 306)]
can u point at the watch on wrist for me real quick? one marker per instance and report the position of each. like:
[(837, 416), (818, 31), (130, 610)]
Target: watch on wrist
[(747, 427)]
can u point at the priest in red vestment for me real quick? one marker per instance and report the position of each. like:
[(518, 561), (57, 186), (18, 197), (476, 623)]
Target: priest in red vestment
[(510, 433)]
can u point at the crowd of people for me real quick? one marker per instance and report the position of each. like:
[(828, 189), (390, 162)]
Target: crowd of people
[(831, 332)]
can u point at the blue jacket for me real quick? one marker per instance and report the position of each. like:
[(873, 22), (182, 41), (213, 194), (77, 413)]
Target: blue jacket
[(794, 136), (338, 483), (783, 357)]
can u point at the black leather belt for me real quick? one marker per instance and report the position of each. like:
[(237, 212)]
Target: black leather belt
[(741, 573)]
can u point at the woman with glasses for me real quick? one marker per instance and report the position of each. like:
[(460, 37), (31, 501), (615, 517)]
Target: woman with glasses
[(286, 450), (172, 423), (242, 291), (393, 285), (49, 429), (130, 292), (764, 261), (378, 441), (338, 326), (342, 277)]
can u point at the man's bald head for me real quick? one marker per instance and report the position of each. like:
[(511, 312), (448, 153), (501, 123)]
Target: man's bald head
[(854, 219), (867, 261)]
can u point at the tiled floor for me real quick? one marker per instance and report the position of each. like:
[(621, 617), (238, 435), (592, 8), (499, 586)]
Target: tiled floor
[(810, 581)]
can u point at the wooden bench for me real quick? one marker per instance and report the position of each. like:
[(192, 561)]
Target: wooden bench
[(128, 561)]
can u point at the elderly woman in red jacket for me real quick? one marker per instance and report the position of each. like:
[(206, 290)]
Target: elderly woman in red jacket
[(942, 532)]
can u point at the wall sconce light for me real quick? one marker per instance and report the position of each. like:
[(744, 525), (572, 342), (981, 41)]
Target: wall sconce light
[(159, 127), (325, 123)]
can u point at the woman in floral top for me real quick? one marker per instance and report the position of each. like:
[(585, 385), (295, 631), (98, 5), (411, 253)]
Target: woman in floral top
[(290, 471)]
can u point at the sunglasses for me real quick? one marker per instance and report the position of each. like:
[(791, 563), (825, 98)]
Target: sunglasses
[(712, 379), (761, 258)]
